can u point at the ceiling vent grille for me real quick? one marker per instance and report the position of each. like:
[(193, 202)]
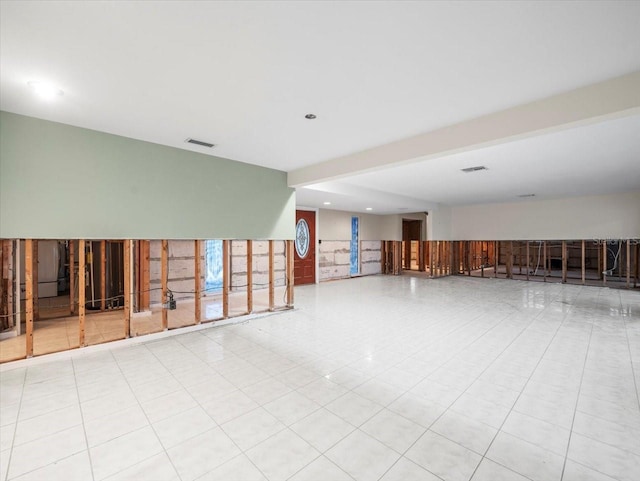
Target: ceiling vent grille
[(200, 143), (527, 195), (474, 169)]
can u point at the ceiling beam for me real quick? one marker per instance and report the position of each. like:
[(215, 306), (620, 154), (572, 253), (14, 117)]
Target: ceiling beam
[(614, 98)]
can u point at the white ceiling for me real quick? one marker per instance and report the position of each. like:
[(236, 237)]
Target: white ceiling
[(243, 75), (598, 159)]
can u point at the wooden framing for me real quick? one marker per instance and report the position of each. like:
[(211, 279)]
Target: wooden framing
[(495, 259), (604, 262), (509, 260), (72, 278), (127, 287), (103, 275), (197, 277), (527, 254), (142, 263), (635, 278), (564, 262), (421, 266), (226, 277), (197, 274), (28, 280), (583, 273), (8, 268), (164, 278), (81, 291), (628, 262), (36, 296), (250, 276), (544, 261), (271, 278), (290, 279)]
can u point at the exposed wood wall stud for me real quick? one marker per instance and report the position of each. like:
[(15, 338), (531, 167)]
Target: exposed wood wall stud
[(226, 277), (28, 280), (583, 274), (164, 268), (289, 248), (36, 293), (103, 275), (82, 284), (249, 276), (271, 278), (127, 287), (197, 274), (564, 262)]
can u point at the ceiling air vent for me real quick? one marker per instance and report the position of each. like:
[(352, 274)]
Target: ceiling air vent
[(526, 195), (474, 169), (199, 142)]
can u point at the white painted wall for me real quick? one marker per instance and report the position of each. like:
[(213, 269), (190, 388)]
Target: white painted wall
[(336, 225), (614, 216), (439, 224)]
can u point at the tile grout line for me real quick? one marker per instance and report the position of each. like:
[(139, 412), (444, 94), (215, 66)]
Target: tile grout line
[(5, 476), (575, 407), (84, 430), (524, 387), (626, 331), (147, 418), (463, 392)]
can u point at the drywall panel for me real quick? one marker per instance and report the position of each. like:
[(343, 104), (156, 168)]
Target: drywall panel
[(61, 182), (439, 224), (336, 225), (611, 216)]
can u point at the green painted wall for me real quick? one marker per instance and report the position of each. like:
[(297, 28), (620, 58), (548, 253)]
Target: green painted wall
[(62, 182)]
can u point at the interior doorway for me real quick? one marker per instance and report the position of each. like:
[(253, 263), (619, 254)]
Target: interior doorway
[(304, 260), (411, 239)]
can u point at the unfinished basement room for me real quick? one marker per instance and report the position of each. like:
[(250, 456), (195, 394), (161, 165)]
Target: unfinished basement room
[(319, 240)]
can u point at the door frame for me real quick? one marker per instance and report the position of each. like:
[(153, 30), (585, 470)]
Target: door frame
[(316, 247)]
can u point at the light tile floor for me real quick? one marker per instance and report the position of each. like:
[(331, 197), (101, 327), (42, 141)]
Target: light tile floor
[(376, 378)]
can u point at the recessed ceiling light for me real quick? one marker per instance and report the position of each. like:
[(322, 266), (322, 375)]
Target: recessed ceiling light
[(369, 208), (310, 116), (473, 169), (45, 90), (327, 203)]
